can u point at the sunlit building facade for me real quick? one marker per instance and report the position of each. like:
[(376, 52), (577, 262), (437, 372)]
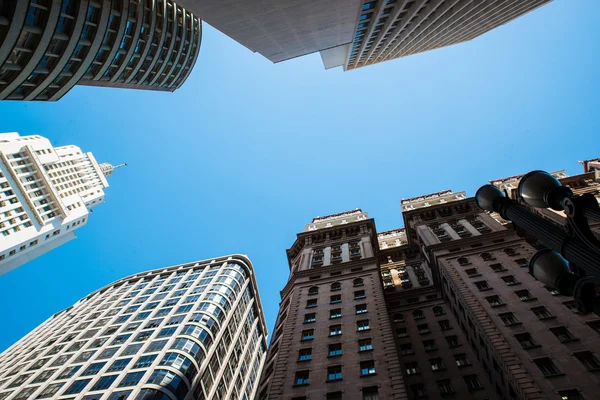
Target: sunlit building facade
[(191, 331), (49, 46), (46, 194)]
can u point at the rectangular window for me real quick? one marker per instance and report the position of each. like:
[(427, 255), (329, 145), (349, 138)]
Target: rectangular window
[(452, 341), (423, 329), (335, 313), (119, 365), (305, 354), (429, 345), (359, 294), (335, 330), (308, 334), (562, 334), (461, 360), (472, 272), (494, 301), (301, 378), (412, 368), (335, 299), (365, 345), (525, 340), (370, 393), (145, 361), (335, 349), (308, 318), (524, 295), (546, 366), (418, 391), (77, 386), (406, 349), (131, 379), (445, 325), (311, 303), (402, 332), (508, 318), (437, 364), (497, 267), (363, 325), (509, 280), (93, 369), (445, 386), (334, 373), (105, 382), (367, 368), (472, 382), (482, 285), (361, 308), (588, 360), (541, 312)]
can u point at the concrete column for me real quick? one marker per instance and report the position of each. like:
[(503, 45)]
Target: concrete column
[(345, 252), (327, 256), (366, 240), (450, 231), (490, 222), (426, 235), (469, 227)]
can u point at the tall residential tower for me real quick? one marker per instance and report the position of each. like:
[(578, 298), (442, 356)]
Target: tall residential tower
[(46, 194), (49, 46), (355, 33), (191, 331)]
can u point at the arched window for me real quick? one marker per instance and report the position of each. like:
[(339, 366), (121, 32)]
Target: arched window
[(335, 286), (398, 318), (510, 251), (486, 256), (437, 311), (358, 282), (463, 261), (418, 314), (313, 290)]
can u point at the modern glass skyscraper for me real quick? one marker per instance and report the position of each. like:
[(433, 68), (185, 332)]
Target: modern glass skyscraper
[(49, 46), (46, 194), (191, 331)]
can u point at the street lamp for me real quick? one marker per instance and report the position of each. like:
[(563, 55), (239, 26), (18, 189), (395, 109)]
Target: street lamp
[(575, 244)]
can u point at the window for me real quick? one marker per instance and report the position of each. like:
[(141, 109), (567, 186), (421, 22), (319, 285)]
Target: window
[(50, 391), (365, 345), (335, 313), (406, 349), (156, 346), (494, 301), (522, 262), (486, 256), (445, 386), (335, 299), (308, 318), (362, 325), (359, 295), (588, 360), (305, 354), (334, 373), (402, 332), (119, 365), (461, 360), (525, 340), (445, 325), (358, 282), (370, 393), (497, 267), (509, 280), (145, 361), (93, 369), (335, 330), (463, 261), (429, 345), (562, 334), (412, 368), (452, 341), (335, 349), (313, 290), (336, 286), (547, 366), (131, 349), (311, 303), (472, 382), (131, 379), (418, 391), (105, 382), (301, 378), (437, 364), (77, 386), (367, 368), (360, 308), (418, 314), (423, 329), (308, 334), (508, 318), (482, 285), (541, 312), (571, 394), (472, 272), (438, 311), (398, 318), (524, 295)]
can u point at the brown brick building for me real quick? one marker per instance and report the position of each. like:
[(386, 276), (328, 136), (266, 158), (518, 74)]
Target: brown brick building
[(444, 307)]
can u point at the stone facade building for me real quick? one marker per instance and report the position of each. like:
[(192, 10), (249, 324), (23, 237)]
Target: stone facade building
[(457, 312)]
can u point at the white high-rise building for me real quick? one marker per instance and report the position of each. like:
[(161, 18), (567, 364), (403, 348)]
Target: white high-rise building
[(46, 193), (189, 332)]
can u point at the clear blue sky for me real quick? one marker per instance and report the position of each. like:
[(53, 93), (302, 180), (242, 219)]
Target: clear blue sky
[(247, 152)]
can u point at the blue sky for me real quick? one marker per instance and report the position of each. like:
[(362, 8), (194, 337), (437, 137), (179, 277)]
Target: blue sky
[(247, 152)]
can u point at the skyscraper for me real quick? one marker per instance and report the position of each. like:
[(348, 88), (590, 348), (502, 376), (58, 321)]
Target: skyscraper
[(49, 46), (355, 33), (46, 194), (191, 331), (466, 317)]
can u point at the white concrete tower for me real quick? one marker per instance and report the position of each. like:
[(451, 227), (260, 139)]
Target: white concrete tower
[(46, 193)]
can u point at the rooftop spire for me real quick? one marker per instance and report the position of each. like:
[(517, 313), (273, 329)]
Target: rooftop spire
[(107, 168)]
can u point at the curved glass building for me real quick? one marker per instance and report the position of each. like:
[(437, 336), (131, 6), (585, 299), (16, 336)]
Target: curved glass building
[(192, 331), (49, 46)]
